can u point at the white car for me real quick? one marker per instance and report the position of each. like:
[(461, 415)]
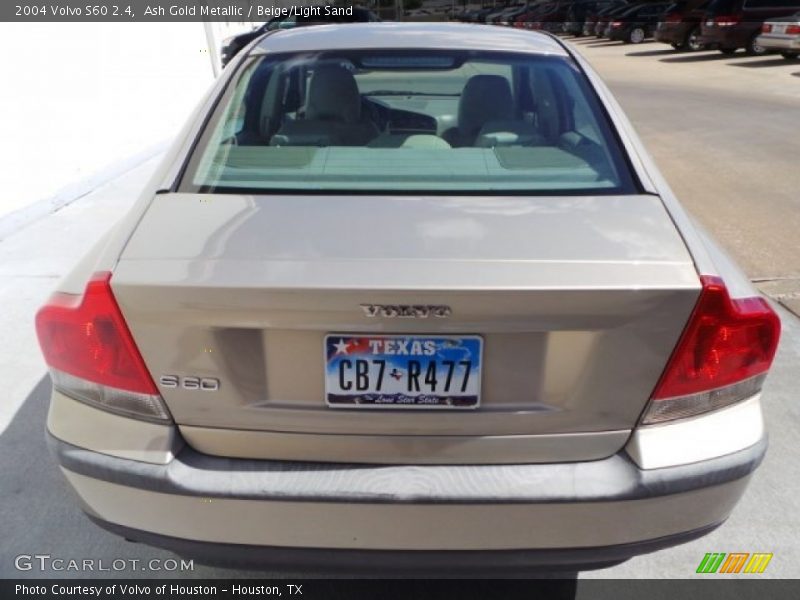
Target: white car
[(782, 34), (408, 297)]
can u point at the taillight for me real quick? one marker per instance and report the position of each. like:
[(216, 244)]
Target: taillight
[(92, 355), (766, 28), (727, 20), (722, 356), (616, 23), (672, 18), (792, 29)]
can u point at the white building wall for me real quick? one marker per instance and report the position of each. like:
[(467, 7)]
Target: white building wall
[(82, 98)]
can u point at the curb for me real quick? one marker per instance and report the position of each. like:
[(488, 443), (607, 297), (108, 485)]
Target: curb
[(22, 217)]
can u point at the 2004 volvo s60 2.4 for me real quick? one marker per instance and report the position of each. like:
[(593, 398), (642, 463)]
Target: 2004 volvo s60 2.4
[(407, 297)]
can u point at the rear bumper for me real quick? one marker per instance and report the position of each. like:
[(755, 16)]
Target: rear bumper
[(618, 34), (774, 42), (439, 563), (735, 36), (672, 33), (498, 517)]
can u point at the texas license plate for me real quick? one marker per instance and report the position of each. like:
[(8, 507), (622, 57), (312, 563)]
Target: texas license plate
[(403, 371)]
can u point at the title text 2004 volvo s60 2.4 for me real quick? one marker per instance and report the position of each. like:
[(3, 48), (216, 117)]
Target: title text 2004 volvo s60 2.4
[(407, 297)]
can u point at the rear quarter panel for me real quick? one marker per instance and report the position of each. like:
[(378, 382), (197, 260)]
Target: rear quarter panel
[(708, 256)]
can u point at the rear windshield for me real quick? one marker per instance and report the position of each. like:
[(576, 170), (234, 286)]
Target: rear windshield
[(789, 4), (722, 6), (394, 121)]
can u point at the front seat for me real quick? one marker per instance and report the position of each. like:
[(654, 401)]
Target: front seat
[(486, 116), (332, 114)]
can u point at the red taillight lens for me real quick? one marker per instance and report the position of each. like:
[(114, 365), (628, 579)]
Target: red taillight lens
[(792, 29), (727, 20), (87, 337), (766, 28), (725, 342), (616, 24), (721, 357), (672, 18)]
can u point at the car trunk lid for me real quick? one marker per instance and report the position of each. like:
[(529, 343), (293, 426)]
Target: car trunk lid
[(579, 302)]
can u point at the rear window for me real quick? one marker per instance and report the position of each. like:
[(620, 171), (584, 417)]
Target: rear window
[(722, 6), (787, 4), (686, 5), (402, 121)]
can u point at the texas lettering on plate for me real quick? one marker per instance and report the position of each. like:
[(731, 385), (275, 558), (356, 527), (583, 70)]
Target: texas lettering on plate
[(403, 371)]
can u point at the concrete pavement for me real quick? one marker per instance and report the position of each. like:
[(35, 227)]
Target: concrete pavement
[(33, 259)]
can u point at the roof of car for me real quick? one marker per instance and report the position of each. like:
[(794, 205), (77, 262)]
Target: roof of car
[(445, 36)]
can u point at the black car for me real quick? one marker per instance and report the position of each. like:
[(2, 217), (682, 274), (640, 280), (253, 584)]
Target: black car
[(606, 16), (636, 24), (733, 24), (680, 25), (232, 45), (586, 10)]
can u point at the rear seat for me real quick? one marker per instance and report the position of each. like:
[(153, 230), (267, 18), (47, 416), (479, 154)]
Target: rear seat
[(486, 116), (332, 113), (508, 133), (416, 140)]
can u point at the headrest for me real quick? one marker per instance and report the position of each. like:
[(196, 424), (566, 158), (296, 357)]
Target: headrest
[(485, 98), (333, 95)]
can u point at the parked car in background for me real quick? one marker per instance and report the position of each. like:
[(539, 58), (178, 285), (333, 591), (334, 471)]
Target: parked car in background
[(576, 15), (782, 34), (637, 23), (681, 25), (533, 18), (549, 19), (733, 24), (481, 15), (579, 12), (489, 17), (417, 13), (525, 16), (592, 19), (501, 17), (606, 17), (232, 45), (408, 297), (509, 16)]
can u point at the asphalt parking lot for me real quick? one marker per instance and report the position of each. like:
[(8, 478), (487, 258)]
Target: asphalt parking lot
[(724, 132)]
